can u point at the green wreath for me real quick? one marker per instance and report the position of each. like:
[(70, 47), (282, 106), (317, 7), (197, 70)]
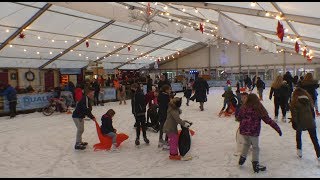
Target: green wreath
[(29, 75)]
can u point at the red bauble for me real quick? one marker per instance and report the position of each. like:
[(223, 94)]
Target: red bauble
[(22, 36), (87, 44), (297, 47), (280, 31), (201, 27)]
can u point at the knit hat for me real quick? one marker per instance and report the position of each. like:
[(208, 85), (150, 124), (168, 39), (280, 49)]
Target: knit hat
[(228, 82)]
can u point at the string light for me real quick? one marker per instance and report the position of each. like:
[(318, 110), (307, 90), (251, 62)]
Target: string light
[(267, 14), (39, 37), (52, 40), (156, 3), (66, 41), (253, 4), (71, 50), (184, 10), (78, 40), (79, 54), (25, 50), (207, 20), (97, 44), (286, 30), (196, 10), (7, 30), (165, 8), (50, 52), (10, 46), (38, 52)]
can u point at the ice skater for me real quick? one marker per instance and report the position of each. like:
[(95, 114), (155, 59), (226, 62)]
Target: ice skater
[(170, 127), (303, 119), (163, 100), (107, 128), (250, 115)]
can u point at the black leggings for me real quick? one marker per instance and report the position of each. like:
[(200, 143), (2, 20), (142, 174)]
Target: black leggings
[(12, 107), (141, 124), (313, 137), (96, 98), (283, 104)]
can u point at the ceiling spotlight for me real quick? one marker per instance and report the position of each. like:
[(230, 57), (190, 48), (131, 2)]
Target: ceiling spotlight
[(105, 46), (97, 57), (136, 49), (253, 4), (165, 8), (189, 23), (97, 44), (207, 20), (79, 40), (184, 10), (52, 40), (87, 57), (65, 41), (196, 10), (117, 55), (177, 24), (39, 37), (7, 30), (38, 52), (286, 30), (24, 50), (267, 14), (79, 54), (10, 45), (50, 52), (71, 50), (185, 26), (114, 47)]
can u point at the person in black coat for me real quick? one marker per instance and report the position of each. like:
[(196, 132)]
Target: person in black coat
[(201, 88), (280, 91), (295, 80), (260, 87), (138, 104), (288, 77), (149, 83), (254, 80), (82, 110), (163, 101), (163, 81), (107, 127), (247, 82), (96, 87)]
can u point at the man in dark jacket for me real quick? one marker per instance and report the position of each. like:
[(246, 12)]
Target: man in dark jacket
[(138, 104), (201, 88), (163, 81), (247, 82), (149, 83), (288, 77), (260, 87), (83, 109), (96, 87), (11, 95)]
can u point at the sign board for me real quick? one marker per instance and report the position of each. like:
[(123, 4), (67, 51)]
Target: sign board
[(70, 71), (108, 94), (176, 87), (29, 101)]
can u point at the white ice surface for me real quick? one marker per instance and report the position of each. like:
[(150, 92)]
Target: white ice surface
[(33, 145)]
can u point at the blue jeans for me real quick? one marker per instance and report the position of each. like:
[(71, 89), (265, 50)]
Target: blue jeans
[(114, 137)]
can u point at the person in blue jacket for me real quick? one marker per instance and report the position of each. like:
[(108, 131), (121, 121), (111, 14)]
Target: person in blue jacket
[(83, 109), (11, 95)]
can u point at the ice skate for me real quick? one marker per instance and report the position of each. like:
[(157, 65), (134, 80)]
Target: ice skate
[(160, 143), (299, 153), (242, 160), (114, 148), (137, 142), (284, 119), (175, 157), (186, 158), (84, 143), (78, 146), (146, 140), (257, 167)]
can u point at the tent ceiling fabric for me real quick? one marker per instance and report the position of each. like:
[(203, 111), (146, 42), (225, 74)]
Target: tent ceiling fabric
[(63, 24)]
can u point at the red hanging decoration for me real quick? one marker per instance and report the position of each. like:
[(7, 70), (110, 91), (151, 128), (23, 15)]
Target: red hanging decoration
[(201, 27), (149, 9), (87, 44), (309, 59), (297, 47), (22, 36), (129, 48), (305, 52), (280, 31)]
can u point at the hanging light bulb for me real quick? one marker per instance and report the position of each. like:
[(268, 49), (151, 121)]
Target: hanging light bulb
[(39, 37), (156, 3), (38, 52), (79, 54), (25, 50), (196, 10), (253, 4), (97, 44), (71, 50), (286, 30), (87, 57), (207, 20), (179, 20), (50, 52), (10, 45), (52, 40), (165, 8)]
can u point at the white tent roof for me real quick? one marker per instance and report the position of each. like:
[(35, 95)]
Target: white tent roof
[(62, 25)]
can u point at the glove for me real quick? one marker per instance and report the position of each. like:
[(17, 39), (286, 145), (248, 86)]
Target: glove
[(187, 124), (280, 133)]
